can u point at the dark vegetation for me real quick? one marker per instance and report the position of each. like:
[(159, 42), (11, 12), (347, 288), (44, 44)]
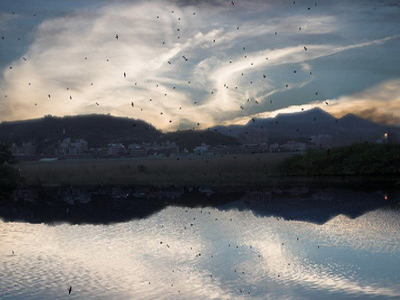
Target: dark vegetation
[(8, 175), (356, 159)]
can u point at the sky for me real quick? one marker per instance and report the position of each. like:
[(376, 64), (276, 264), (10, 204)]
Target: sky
[(177, 64)]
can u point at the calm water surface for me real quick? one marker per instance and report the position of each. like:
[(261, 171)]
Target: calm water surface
[(204, 253)]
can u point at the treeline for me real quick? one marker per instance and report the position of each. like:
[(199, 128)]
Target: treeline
[(356, 159), (8, 175)]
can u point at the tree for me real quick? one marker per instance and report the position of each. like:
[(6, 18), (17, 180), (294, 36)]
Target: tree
[(5, 155), (8, 175)]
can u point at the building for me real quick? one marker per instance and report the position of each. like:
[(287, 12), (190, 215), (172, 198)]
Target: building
[(294, 146), (70, 148), (25, 150), (115, 149), (137, 150), (274, 147), (166, 148), (202, 149)]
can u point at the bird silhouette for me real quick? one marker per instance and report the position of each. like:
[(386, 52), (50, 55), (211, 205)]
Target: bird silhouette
[(117, 37), (69, 290)]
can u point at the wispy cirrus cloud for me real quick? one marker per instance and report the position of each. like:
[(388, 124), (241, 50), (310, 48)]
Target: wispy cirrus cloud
[(184, 62)]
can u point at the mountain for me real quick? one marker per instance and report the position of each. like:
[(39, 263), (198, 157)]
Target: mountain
[(301, 126), (100, 130)]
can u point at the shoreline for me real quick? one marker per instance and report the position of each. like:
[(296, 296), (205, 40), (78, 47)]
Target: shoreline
[(228, 171)]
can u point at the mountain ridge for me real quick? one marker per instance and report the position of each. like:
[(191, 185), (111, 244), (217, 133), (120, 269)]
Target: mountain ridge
[(100, 129)]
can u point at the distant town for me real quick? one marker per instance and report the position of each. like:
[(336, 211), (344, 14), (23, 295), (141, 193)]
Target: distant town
[(105, 136), (80, 148)]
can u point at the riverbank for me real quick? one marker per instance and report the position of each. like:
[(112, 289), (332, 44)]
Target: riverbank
[(246, 170), (227, 170)]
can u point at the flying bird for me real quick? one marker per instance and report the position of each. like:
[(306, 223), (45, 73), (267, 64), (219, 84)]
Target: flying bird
[(116, 36), (69, 290)]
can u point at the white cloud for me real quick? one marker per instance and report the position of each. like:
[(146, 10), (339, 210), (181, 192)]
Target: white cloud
[(78, 55)]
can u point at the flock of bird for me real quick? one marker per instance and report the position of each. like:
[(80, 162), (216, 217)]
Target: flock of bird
[(185, 58), (241, 107), (197, 254)]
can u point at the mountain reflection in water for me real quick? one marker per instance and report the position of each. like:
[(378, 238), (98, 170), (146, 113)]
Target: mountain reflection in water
[(104, 205), (299, 243)]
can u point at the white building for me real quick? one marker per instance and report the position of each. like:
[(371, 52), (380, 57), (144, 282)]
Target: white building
[(69, 148), (294, 146), (25, 150), (202, 149), (274, 147)]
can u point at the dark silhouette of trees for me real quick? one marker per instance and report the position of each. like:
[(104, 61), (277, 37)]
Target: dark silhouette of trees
[(8, 175), (356, 159)]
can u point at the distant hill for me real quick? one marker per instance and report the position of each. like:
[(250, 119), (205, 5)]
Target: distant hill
[(99, 130), (301, 126)]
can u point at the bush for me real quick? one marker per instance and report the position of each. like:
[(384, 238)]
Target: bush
[(356, 159), (9, 177)]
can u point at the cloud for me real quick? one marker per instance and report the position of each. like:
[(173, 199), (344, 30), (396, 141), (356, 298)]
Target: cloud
[(176, 75), (380, 103)]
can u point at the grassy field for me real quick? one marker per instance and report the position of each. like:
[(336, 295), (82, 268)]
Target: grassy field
[(229, 170)]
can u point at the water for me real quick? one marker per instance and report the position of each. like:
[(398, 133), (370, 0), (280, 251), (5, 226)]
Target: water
[(237, 250)]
